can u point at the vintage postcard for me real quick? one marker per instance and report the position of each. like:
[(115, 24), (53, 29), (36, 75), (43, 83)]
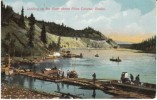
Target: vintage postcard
[(78, 49)]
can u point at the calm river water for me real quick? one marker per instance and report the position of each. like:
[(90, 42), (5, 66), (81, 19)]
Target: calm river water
[(132, 62)]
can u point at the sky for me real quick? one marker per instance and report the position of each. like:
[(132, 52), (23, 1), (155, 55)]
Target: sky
[(121, 20)]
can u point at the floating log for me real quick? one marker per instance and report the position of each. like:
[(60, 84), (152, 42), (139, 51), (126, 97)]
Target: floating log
[(68, 94)]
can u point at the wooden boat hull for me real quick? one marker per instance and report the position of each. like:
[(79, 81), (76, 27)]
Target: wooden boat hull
[(116, 60)]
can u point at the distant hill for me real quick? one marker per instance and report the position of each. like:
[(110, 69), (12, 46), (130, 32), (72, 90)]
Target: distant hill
[(15, 36), (123, 42), (128, 46)]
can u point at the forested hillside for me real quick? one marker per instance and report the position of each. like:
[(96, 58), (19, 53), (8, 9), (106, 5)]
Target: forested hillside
[(63, 30), (148, 45), (24, 35)]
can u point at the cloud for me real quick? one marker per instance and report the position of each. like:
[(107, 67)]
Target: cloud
[(111, 20), (147, 22), (78, 3)]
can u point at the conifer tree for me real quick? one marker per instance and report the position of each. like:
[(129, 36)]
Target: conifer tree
[(59, 43), (43, 35), (31, 31), (21, 20)]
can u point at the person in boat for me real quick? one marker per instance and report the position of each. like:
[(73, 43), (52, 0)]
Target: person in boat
[(94, 78), (118, 58), (132, 78), (137, 80)]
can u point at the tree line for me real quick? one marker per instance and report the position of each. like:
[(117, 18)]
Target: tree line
[(63, 30), (146, 45)]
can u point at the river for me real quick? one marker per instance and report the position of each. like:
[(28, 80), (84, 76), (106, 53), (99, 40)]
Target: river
[(133, 62)]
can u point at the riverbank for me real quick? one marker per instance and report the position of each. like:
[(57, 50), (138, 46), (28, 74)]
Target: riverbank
[(16, 92)]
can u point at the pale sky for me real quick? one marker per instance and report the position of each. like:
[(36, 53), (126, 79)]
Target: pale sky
[(122, 20)]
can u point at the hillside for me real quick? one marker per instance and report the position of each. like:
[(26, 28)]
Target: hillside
[(63, 30), (18, 36)]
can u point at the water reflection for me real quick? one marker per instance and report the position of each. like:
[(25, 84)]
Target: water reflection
[(58, 87), (94, 93), (50, 87), (67, 86), (62, 85)]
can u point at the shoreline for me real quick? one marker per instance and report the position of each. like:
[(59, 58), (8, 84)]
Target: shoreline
[(15, 92)]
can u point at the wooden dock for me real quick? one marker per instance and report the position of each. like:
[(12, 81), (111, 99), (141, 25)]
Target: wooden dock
[(108, 86)]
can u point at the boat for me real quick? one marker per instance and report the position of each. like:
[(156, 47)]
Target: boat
[(96, 55), (116, 60), (72, 56), (126, 82)]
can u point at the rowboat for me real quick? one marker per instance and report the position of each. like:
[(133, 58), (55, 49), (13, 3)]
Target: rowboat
[(116, 60), (96, 55)]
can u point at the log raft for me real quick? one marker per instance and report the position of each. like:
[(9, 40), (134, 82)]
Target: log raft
[(118, 90)]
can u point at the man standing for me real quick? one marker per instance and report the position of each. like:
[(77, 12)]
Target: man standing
[(67, 73), (131, 77), (94, 78), (137, 80)]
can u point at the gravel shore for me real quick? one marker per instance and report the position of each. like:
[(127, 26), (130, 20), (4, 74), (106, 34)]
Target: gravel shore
[(14, 92)]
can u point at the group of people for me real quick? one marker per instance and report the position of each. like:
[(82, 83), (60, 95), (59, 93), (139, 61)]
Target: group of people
[(137, 79), (125, 79)]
